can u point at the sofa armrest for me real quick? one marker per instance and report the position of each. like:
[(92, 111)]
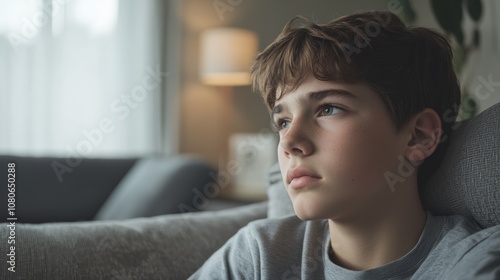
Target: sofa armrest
[(162, 247)]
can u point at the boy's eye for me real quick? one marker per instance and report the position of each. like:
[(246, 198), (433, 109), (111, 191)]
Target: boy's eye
[(328, 110), (281, 124)]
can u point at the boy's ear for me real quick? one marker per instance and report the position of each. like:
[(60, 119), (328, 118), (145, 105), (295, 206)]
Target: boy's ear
[(425, 129)]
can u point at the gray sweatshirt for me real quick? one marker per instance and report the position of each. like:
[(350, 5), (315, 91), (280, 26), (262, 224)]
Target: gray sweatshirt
[(450, 247)]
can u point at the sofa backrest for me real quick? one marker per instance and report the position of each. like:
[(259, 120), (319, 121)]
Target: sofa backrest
[(50, 189)]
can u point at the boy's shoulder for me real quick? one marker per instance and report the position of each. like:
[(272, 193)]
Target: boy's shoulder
[(482, 259), (462, 249), (458, 227), (474, 237)]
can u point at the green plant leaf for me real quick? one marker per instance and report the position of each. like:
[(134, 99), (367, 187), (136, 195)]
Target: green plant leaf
[(448, 13), (469, 107), (408, 11), (475, 9), (476, 39), (459, 35), (459, 58), (404, 9), (449, 16)]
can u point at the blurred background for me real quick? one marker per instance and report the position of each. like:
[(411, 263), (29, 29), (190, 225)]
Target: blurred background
[(125, 78)]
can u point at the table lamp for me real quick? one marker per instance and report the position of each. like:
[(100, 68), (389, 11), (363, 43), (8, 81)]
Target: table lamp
[(226, 55)]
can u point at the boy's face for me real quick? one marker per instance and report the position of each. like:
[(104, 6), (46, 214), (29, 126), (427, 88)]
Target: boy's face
[(336, 142)]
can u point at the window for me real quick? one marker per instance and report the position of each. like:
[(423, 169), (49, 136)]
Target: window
[(81, 77)]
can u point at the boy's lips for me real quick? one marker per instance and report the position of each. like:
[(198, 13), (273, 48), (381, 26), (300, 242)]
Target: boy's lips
[(297, 178)]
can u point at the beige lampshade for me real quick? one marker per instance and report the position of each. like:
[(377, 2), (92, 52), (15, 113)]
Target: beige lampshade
[(226, 56)]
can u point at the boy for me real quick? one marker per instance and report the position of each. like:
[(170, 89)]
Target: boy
[(352, 100)]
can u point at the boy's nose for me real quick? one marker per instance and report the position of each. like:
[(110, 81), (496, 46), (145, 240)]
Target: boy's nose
[(296, 141)]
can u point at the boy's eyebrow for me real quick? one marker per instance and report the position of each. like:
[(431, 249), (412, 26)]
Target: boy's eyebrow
[(276, 110), (319, 95), (316, 96)]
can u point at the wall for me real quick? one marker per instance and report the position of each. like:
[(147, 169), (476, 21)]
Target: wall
[(205, 110)]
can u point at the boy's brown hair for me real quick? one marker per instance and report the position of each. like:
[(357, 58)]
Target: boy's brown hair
[(409, 67)]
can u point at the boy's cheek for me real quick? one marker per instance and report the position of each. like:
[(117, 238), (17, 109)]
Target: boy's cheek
[(363, 159)]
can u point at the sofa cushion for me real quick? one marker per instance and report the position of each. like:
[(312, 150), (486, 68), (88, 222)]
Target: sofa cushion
[(467, 181), (162, 247), (157, 186)]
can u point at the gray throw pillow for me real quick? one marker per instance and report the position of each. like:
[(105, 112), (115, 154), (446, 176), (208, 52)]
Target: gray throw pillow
[(468, 180), (159, 185), (466, 183)]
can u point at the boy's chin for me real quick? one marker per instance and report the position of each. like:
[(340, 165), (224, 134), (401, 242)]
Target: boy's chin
[(308, 213), (309, 217)]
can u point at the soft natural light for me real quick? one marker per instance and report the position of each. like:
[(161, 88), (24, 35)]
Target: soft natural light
[(99, 16), (59, 86), (22, 19), (58, 17), (20, 16)]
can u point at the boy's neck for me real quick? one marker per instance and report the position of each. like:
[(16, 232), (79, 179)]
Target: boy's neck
[(376, 238)]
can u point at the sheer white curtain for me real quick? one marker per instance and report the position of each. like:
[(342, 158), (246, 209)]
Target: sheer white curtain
[(81, 77)]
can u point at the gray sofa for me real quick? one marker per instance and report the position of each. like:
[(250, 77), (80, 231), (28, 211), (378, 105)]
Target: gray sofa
[(69, 189), (174, 246)]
